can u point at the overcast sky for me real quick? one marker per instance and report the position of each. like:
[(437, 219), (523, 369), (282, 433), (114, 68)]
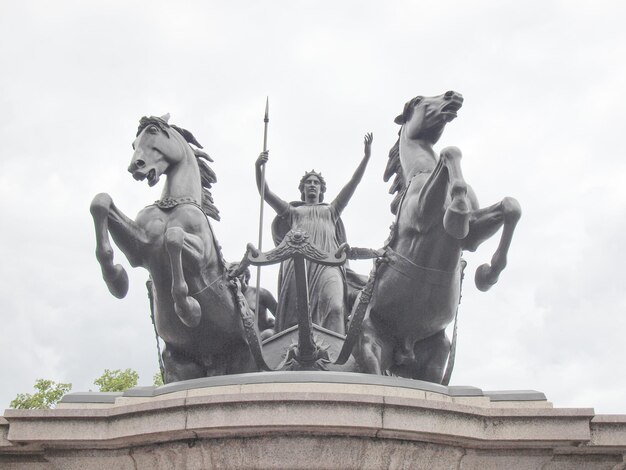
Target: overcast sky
[(544, 118)]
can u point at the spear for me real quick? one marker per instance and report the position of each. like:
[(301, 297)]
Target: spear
[(266, 120)]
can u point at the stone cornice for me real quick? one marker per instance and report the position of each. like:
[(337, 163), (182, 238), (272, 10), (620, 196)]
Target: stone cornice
[(286, 410)]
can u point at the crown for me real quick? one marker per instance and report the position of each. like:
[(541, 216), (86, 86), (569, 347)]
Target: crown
[(312, 173)]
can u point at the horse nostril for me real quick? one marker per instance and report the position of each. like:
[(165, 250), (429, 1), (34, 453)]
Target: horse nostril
[(140, 163), (449, 95)]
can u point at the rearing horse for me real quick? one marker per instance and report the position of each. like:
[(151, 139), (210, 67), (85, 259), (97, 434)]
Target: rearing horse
[(417, 285), (194, 310)]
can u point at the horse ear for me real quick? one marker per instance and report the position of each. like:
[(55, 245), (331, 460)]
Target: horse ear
[(166, 117), (407, 111)]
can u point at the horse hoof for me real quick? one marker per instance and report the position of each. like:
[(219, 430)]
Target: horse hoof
[(117, 281), (189, 312), (484, 278)]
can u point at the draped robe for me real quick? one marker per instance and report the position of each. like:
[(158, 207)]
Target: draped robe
[(328, 297)]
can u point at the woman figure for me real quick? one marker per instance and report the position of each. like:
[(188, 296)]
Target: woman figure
[(328, 297)]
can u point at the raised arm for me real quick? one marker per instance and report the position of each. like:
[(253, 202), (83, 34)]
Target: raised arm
[(268, 300), (274, 201), (342, 199)]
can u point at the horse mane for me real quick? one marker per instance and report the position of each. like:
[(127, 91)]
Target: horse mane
[(393, 164), (207, 178), (399, 182), (207, 175)]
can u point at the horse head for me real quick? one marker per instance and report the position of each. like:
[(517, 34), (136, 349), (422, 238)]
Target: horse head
[(162, 148), (158, 146), (424, 118)]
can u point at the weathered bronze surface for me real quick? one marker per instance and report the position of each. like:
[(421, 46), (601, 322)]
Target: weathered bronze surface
[(195, 310), (261, 302), (327, 284), (296, 247), (417, 283), (204, 310)]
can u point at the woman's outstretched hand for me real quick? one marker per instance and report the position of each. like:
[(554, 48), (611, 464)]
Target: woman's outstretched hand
[(367, 142)]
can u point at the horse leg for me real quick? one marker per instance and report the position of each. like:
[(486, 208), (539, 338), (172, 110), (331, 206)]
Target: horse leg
[(485, 223), (432, 198), (240, 360), (187, 308), (447, 178), (431, 355), (179, 367), (457, 216), (422, 360), (373, 349), (114, 275)]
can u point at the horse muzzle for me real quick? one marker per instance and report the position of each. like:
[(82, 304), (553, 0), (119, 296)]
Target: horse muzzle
[(453, 102), (140, 175)]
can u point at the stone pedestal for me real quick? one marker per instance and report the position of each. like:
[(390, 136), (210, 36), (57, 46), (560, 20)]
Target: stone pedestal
[(310, 420)]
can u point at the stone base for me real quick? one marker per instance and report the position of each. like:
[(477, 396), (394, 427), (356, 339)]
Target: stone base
[(310, 420)]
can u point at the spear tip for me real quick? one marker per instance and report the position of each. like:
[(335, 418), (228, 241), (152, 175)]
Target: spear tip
[(267, 109)]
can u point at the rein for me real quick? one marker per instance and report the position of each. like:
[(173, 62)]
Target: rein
[(413, 271), (156, 334)]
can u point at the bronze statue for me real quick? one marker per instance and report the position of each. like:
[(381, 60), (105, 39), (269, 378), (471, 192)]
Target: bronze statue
[(195, 310), (265, 311), (416, 286), (204, 311), (327, 284)]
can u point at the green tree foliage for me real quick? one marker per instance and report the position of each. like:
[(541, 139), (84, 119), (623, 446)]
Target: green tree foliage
[(157, 379), (47, 394), (116, 380)]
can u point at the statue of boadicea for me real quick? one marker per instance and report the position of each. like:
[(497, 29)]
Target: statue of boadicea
[(331, 288)]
